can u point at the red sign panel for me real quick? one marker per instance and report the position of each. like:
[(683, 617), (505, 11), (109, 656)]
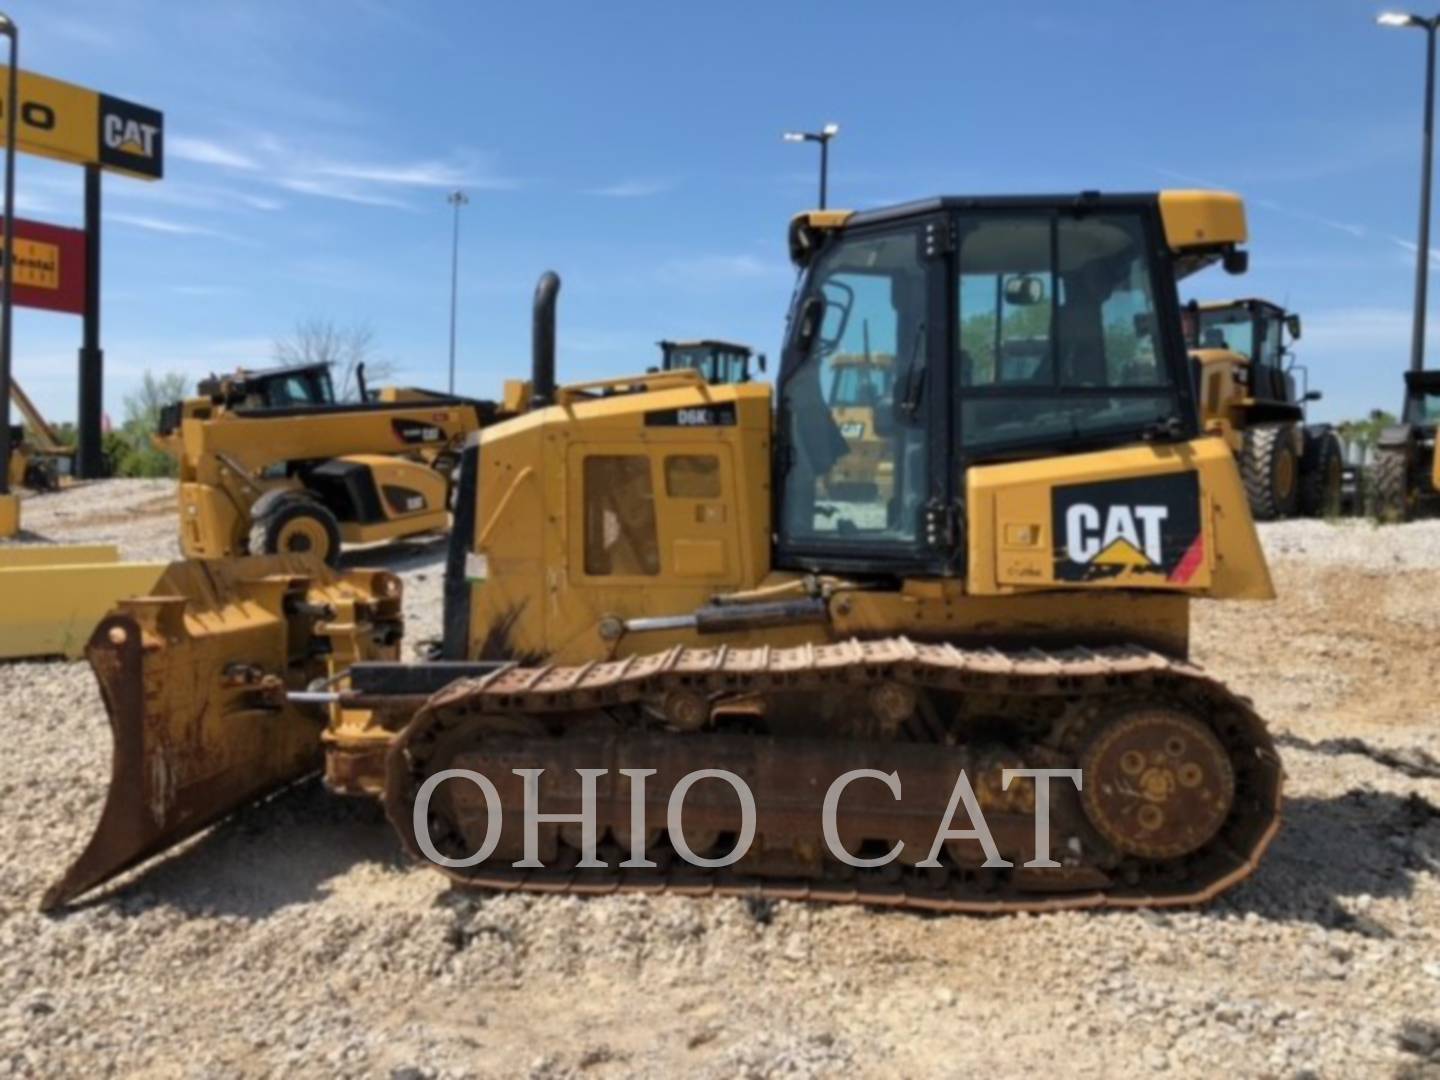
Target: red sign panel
[(49, 266)]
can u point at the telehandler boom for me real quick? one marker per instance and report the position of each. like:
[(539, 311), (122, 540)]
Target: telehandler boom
[(652, 577)]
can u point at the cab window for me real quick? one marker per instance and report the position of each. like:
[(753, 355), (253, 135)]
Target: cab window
[(1057, 331)]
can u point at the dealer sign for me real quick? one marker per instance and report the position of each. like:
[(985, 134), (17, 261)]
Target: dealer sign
[(49, 266), (61, 120)]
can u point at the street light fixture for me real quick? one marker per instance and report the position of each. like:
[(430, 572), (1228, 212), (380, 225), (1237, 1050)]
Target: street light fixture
[(1422, 254), (823, 137), (7, 271), (456, 199)]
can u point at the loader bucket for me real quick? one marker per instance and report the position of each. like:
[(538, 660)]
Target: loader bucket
[(194, 676)]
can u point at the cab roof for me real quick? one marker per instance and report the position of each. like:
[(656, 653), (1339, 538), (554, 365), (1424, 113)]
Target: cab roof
[(1200, 226)]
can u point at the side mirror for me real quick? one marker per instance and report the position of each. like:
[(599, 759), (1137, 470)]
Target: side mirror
[(1024, 290), (760, 362), (1313, 395), (1236, 261), (1292, 323)]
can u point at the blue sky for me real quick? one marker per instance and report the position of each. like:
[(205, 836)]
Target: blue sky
[(636, 149)]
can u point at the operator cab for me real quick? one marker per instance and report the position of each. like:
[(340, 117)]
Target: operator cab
[(720, 362), (1260, 332), (294, 386), (1422, 400), (1006, 329)]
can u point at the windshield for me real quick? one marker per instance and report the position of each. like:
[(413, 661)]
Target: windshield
[(1057, 325), (857, 466), (1429, 408), (1227, 328)]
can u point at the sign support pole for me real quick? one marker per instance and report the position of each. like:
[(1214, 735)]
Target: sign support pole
[(7, 271), (90, 459)]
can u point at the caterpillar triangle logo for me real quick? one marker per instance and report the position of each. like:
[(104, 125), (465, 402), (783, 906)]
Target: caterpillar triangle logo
[(1123, 553)]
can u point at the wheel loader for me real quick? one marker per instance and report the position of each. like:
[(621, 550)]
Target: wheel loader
[(1246, 374), (270, 462), (655, 596), (1405, 476)]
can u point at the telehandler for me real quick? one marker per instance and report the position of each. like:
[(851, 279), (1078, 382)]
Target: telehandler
[(653, 574), (38, 458), (1246, 371), (271, 463)]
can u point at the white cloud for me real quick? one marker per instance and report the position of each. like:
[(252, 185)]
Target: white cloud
[(1357, 331), (724, 267), (169, 227), (160, 225), (631, 189), (343, 192), (206, 152), (291, 165)]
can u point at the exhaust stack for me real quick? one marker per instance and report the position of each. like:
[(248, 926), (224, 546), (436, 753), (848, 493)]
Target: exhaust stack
[(542, 341)]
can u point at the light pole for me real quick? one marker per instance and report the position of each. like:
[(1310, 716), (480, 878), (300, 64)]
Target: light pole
[(7, 273), (823, 137), (1422, 255), (456, 199)]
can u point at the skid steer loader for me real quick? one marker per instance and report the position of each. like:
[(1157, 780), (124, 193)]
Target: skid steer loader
[(271, 463), (652, 582), (1246, 375)]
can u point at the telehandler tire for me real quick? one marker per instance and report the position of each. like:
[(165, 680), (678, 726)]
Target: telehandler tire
[(1270, 469), (1321, 473), (295, 524), (1391, 485)]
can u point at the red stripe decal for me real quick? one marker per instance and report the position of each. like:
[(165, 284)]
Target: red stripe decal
[(1190, 563)]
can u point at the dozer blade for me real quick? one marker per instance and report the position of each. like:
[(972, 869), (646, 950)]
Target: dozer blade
[(194, 677)]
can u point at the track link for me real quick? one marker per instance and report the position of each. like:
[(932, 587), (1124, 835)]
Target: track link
[(1042, 708)]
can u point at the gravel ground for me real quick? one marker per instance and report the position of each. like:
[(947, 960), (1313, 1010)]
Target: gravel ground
[(295, 940)]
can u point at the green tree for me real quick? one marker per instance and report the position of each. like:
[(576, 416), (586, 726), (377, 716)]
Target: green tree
[(134, 452), (1365, 432)]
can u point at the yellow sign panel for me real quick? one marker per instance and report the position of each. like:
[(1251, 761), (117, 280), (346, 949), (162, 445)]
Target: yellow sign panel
[(36, 264), (68, 122)]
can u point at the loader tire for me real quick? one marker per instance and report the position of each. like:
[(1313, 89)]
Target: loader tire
[(1321, 473), (295, 525), (1271, 472), (1391, 485)]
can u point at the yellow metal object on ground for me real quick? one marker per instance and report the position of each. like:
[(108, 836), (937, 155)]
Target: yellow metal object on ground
[(9, 515), (30, 555), (51, 599)]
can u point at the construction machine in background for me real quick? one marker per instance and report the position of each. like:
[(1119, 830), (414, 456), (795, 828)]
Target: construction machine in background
[(271, 463), (654, 575), (717, 361), (1405, 475), (38, 459), (1247, 386)]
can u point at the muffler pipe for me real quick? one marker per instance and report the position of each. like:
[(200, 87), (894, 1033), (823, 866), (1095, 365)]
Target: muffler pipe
[(542, 341)]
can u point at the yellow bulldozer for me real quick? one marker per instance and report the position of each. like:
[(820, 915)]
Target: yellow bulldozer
[(271, 463), (1246, 378), (673, 661)]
